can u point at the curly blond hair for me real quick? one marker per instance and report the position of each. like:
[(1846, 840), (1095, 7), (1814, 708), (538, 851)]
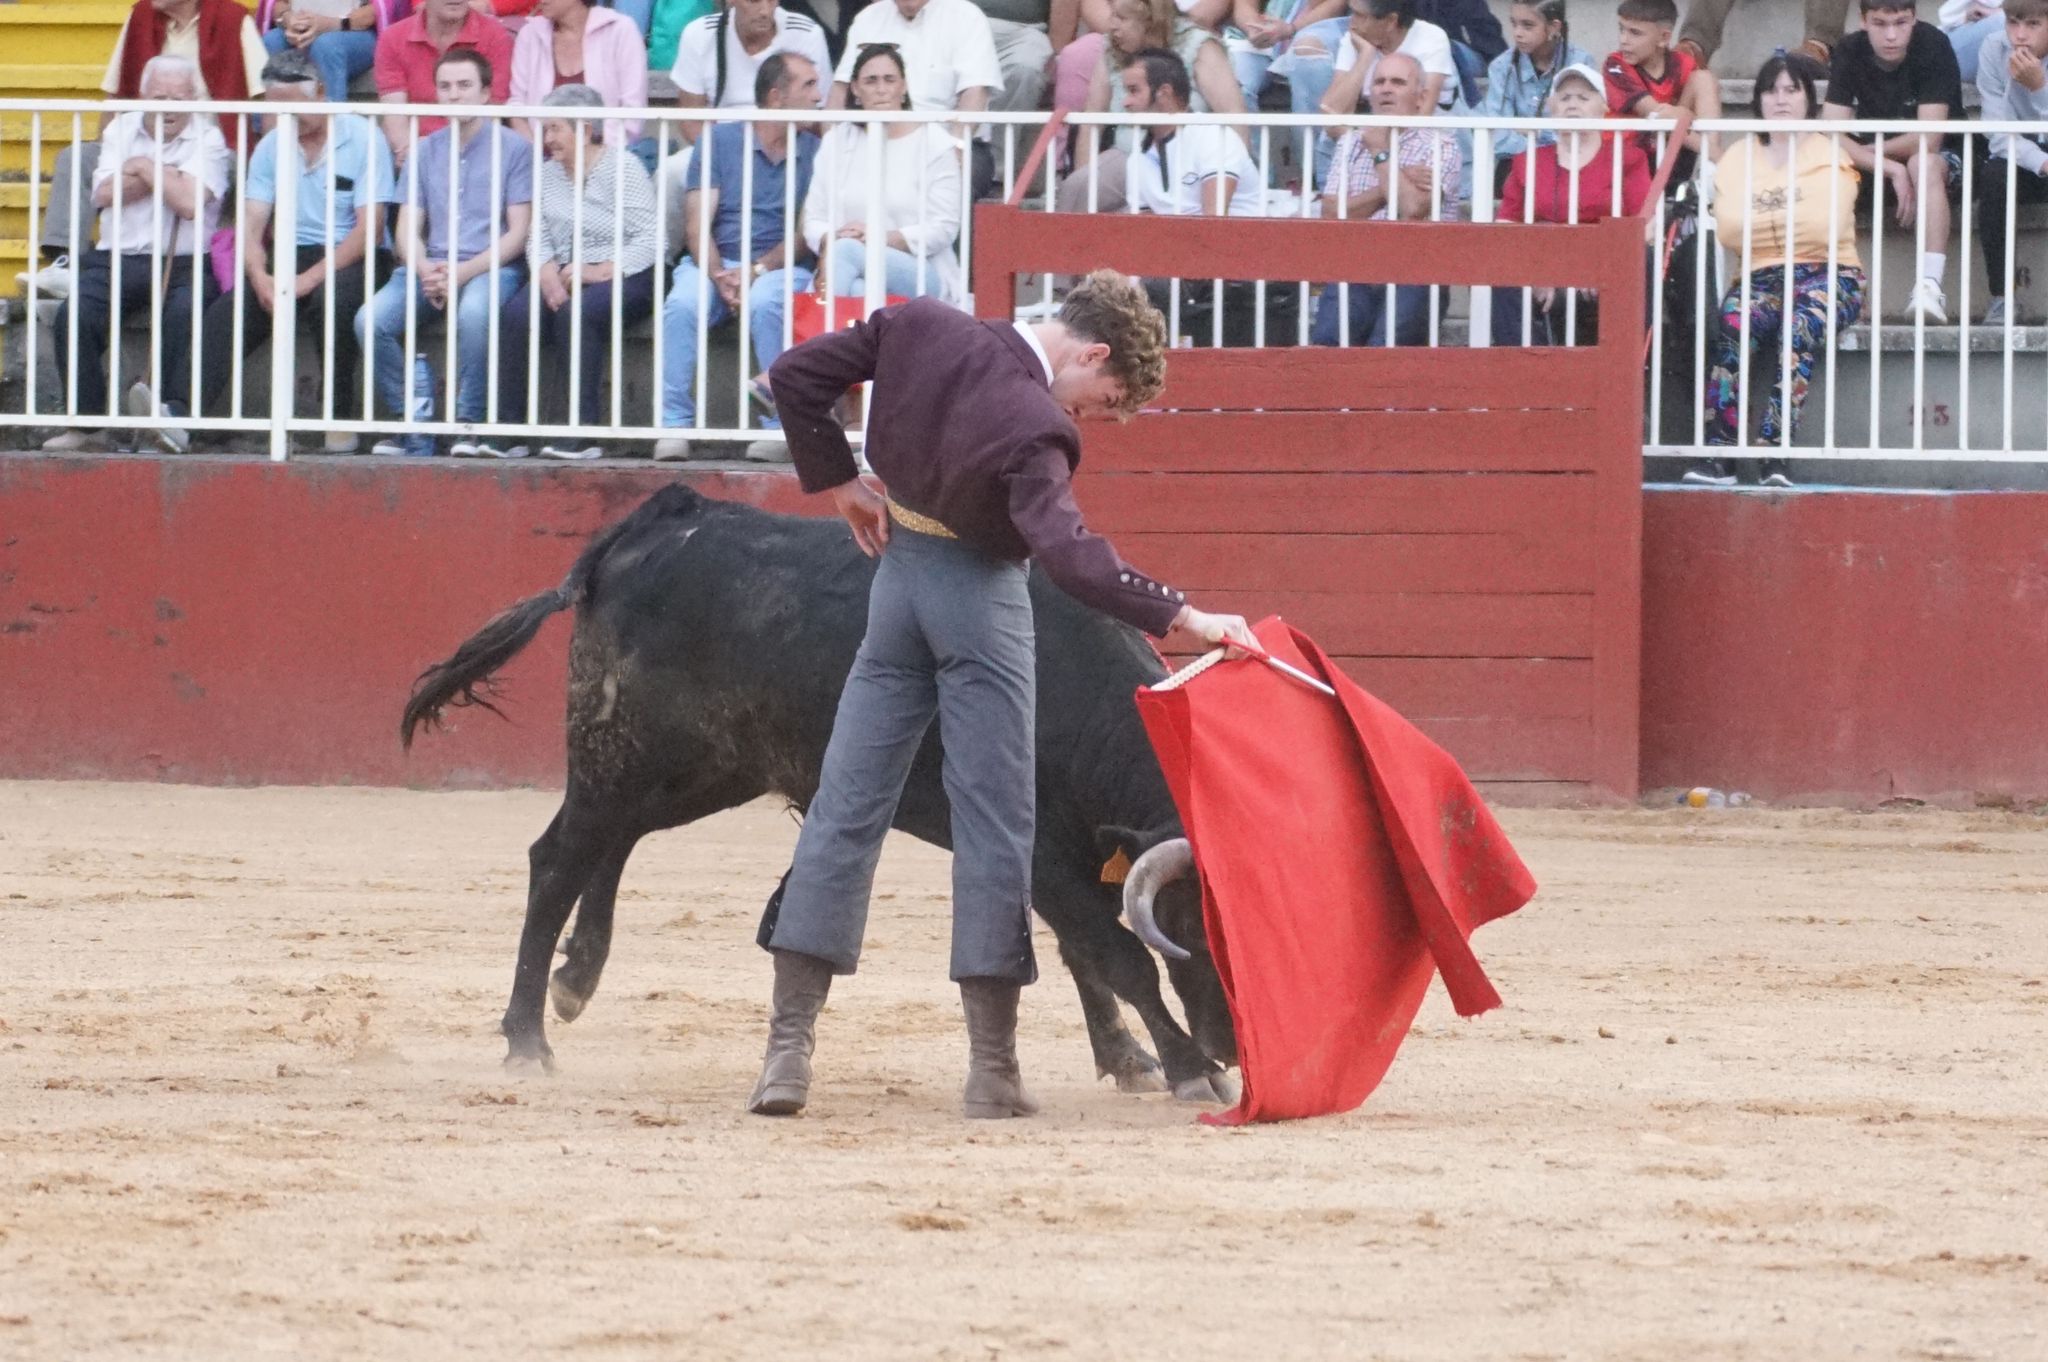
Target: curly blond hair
[(1109, 308)]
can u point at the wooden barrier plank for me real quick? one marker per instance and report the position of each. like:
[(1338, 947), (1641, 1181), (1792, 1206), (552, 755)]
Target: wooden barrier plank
[(1544, 441), (1518, 749), (1337, 503), (1434, 379), (1369, 623), (1478, 687), (1389, 562)]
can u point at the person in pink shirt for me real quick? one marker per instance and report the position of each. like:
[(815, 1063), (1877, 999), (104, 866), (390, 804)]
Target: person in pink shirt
[(573, 42), (409, 50)]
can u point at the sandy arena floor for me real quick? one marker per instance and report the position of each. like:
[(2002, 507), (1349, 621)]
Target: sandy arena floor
[(1768, 1085)]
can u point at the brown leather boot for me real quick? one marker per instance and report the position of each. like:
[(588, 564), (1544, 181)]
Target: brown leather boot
[(801, 982), (995, 1087), (1692, 48)]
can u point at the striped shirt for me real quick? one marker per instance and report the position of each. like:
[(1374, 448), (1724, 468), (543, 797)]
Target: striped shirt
[(604, 200)]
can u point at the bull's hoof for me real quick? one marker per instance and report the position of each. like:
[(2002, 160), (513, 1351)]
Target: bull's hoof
[(1221, 1086), (1137, 1073), (569, 1004)]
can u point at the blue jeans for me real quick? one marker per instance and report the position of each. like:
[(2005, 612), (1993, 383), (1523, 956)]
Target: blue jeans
[(1370, 320), (1969, 39), (1310, 78), (1307, 79), (384, 339), (340, 56), (679, 316), (849, 272)]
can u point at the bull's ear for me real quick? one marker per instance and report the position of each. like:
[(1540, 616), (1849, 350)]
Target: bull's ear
[(1119, 848)]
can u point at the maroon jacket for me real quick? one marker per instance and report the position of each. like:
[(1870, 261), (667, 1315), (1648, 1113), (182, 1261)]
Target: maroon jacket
[(963, 429)]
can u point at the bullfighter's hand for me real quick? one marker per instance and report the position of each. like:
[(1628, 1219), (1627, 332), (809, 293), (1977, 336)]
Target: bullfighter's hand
[(866, 512), (1207, 630)]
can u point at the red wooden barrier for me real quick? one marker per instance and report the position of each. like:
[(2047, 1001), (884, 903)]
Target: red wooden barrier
[(1461, 527)]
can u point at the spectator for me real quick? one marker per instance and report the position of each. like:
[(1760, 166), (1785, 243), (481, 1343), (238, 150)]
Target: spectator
[(1135, 26), (1079, 32), (1199, 170), (1023, 51), (2014, 89), (216, 36), (1379, 28), (409, 57), (573, 42), (1968, 23), (744, 251), (1647, 79), (472, 258), (579, 260), (332, 243), (1704, 20), (1475, 39), (338, 36), (951, 54), (721, 53), (1423, 184), (666, 23), (1260, 39), (155, 219), (919, 208), (1785, 186), (1519, 82), (1573, 180), (1899, 69)]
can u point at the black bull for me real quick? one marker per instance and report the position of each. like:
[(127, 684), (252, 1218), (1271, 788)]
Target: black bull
[(711, 643)]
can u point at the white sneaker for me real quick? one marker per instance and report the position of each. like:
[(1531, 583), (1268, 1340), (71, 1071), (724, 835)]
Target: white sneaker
[(76, 442), (53, 280), (1994, 312), (768, 451), (1928, 303), (466, 447), (340, 442), (673, 449), (142, 404), (491, 450), (580, 453)]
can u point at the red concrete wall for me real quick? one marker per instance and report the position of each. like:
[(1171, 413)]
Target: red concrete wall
[(228, 621)]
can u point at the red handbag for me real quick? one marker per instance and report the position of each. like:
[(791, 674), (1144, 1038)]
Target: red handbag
[(807, 312)]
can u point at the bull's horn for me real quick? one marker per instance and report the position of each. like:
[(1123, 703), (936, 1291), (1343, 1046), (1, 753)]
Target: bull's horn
[(1157, 868)]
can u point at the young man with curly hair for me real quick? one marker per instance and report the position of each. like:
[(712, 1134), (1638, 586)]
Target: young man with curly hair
[(971, 428)]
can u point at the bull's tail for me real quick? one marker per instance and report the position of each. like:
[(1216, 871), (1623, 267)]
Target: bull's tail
[(465, 678)]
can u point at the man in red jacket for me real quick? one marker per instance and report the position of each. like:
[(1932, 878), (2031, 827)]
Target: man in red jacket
[(217, 36), (972, 430)]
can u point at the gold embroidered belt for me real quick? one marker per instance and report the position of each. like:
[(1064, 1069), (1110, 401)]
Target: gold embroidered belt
[(923, 524)]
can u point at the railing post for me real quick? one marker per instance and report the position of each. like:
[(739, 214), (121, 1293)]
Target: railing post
[(284, 261)]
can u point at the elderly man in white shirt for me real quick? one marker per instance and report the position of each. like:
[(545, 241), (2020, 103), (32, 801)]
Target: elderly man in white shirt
[(158, 187), (719, 55), (949, 51)]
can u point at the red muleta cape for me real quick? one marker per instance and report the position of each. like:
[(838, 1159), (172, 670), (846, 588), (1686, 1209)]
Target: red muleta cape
[(1344, 858)]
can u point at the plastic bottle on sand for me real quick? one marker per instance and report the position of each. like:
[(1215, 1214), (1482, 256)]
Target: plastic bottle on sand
[(1706, 797)]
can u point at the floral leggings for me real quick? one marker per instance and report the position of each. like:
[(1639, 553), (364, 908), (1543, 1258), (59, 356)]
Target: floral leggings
[(1766, 317)]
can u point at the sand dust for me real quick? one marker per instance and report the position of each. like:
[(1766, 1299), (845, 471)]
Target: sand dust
[(1768, 1085)]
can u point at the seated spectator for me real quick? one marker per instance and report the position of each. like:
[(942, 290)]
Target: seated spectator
[(951, 55), (1202, 170), (465, 264), (1784, 185), (333, 243), (1260, 39), (1023, 51), (1422, 185), (1475, 36), (1968, 23), (338, 36), (1899, 69), (155, 221), (1136, 26), (1079, 32), (742, 250), (2014, 88), (217, 36), (1378, 28), (579, 259), (1572, 181), (573, 42), (919, 207), (1520, 80), (1704, 20), (1647, 79), (408, 61), (721, 53)]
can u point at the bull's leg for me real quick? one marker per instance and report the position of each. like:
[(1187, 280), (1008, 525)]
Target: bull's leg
[(561, 861), (1118, 1054)]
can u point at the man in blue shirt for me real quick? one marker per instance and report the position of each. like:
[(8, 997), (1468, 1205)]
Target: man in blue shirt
[(446, 255), (748, 247), (332, 252)]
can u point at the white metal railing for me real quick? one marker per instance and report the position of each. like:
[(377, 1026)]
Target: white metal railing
[(1948, 411)]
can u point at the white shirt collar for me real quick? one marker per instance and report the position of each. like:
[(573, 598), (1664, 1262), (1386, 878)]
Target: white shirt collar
[(1031, 339)]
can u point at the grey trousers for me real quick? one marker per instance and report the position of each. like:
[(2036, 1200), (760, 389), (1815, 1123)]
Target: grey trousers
[(1704, 20), (949, 635)]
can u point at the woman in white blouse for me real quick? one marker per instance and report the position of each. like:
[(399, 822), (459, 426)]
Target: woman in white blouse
[(919, 208), (576, 266)]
